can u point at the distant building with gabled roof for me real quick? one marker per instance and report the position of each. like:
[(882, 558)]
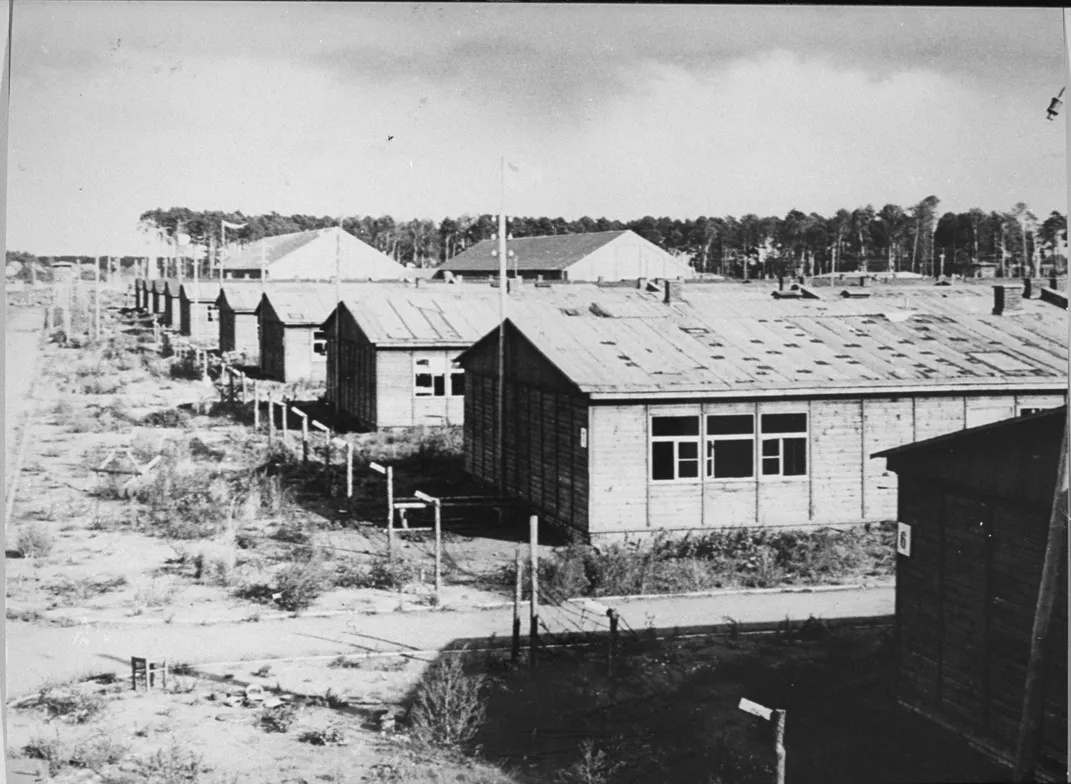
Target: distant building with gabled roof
[(605, 255), (311, 255)]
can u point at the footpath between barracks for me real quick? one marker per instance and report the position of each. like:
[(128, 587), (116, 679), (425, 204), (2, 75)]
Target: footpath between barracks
[(38, 654)]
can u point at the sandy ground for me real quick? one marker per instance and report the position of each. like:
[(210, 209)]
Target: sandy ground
[(21, 336)]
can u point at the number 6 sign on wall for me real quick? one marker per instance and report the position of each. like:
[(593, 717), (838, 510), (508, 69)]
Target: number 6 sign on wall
[(903, 539)]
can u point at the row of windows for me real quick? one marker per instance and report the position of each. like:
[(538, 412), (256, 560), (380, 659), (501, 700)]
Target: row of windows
[(731, 442)]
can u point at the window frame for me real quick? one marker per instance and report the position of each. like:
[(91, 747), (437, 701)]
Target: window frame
[(676, 441), (318, 355), (709, 441), (780, 437), (441, 371)]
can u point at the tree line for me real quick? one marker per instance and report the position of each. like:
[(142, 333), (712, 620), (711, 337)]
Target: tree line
[(918, 238)]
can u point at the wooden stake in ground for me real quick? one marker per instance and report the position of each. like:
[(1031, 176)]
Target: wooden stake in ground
[(96, 300), (271, 416), (256, 405), (1034, 696), (286, 416), (533, 633), (349, 470), (518, 569), (304, 439), (388, 473), (436, 503), (779, 744)]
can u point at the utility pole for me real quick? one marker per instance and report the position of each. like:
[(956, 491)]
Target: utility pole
[(333, 380), (502, 333)]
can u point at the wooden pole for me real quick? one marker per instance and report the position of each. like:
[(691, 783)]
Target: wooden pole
[(230, 376), (96, 300), (271, 416), (517, 588), (533, 632), (349, 470), (286, 416), (438, 550), (779, 744), (304, 439), (244, 395), (1033, 694), (390, 512), (612, 614), (256, 405)]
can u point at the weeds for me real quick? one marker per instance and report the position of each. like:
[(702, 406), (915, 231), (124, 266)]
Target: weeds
[(450, 705), (167, 417), (300, 584), (331, 736), (365, 663), (34, 541), (279, 718), (52, 750), (75, 591), (748, 557), (94, 753), (593, 767), (69, 704), (174, 765)]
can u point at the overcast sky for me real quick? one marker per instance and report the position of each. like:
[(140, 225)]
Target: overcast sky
[(608, 111)]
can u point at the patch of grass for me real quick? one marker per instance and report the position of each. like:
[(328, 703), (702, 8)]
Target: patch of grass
[(81, 589), (300, 584), (70, 704), (166, 417), (279, 718), (173, 765), (97, 752), (330, 736), (34, 541), (379, 664), (52, 750)]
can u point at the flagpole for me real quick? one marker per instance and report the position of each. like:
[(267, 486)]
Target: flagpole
[(502, 330), (222, 245)]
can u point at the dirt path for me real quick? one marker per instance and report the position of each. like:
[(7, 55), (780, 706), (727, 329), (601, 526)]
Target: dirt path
[(39, 653), (22, 336)]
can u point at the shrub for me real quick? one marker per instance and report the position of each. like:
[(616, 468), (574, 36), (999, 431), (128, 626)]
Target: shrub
[(391, 575), (167, 417), (52, 750), (331, 736), (450, 706), (174, 765), (593, 767), (34, 541), (300, 585), (278, 718), (350, 574), (94, 753)]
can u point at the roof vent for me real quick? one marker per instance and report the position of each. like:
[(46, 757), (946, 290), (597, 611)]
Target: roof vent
[(847, 293)]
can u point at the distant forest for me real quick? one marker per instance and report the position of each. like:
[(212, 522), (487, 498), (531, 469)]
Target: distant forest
[(919, 238)]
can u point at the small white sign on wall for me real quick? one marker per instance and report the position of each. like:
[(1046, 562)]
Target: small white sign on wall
[(903, 539), (583, 438)]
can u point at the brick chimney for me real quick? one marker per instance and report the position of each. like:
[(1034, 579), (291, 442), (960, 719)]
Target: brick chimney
[(1028, 288), (673, 291), (641, 283), (1007, 299)]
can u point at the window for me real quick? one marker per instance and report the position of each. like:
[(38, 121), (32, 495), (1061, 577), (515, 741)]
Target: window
[(784, 444), (432, 378), (211, 311), (319, 343), (674, 447), (1029, 411), (731, 446), (457, 380)]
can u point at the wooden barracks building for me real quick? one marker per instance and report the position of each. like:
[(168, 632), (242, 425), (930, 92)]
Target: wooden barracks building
[(736, 409), (975, 509)]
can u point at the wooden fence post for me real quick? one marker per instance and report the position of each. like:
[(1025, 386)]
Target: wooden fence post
[(271, 416), (613, 641), (390, 512), (244, 394), (349, 470), (779, 744), (519, 576), (286, 416), (256, 405), (304, 440), (533, 633), (438, 550)]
